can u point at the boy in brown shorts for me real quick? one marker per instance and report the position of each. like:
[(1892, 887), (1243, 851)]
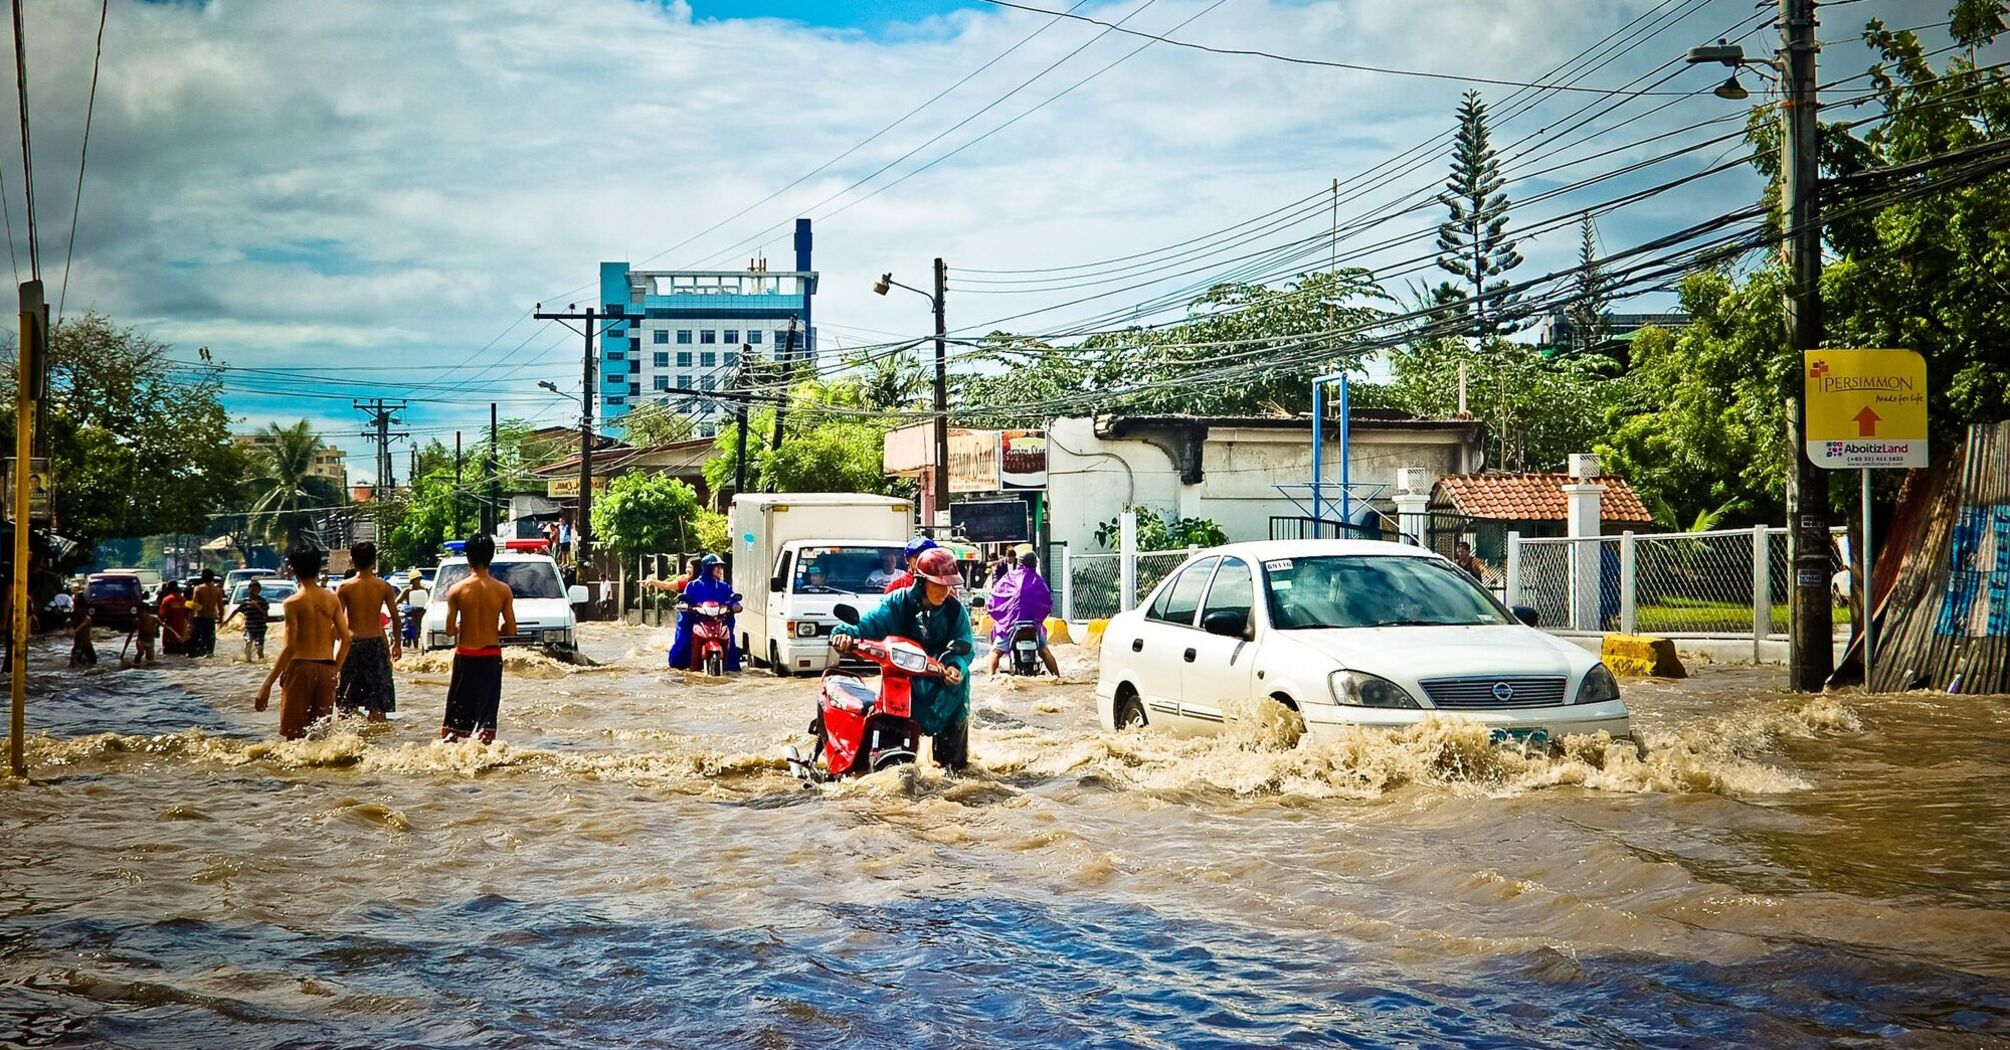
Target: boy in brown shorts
[(317, 640), (366, 684)]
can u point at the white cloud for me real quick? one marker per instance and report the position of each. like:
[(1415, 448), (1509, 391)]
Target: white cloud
[(379, 182)]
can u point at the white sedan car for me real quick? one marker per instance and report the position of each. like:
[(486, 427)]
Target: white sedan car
[(1345, 632), (542, 602)]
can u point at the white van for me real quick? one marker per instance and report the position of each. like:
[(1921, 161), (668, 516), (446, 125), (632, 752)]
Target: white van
[(797, 556), (543, 603)]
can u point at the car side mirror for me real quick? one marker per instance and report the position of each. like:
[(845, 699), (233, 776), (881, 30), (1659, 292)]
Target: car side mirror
[(846, 614), (576, 594), (774, 585), (1226, 622), (1527, 615)]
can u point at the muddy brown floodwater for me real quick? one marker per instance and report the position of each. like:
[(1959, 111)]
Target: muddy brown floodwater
[(632, 866)]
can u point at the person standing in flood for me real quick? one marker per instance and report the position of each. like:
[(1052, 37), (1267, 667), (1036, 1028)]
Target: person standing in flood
[(366, 684), (82, 652), (317, 640), (254, 608), (174, 619), (207, 601), (480, 610)]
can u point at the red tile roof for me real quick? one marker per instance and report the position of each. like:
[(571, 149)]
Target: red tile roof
[(1531, 497)]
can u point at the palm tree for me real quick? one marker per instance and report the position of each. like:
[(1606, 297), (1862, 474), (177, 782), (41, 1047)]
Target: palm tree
[(288, 492)]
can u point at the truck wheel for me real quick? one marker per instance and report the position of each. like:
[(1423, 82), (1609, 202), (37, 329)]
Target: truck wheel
[(775, 661)]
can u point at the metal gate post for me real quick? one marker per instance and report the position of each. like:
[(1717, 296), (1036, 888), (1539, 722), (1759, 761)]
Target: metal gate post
[(1762, 588), (1627, 598), (1513, 569)]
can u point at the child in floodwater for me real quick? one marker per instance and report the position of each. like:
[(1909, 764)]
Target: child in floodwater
[(317, 641), (82, 653), (480, 610), (256, 612), (143, 637)]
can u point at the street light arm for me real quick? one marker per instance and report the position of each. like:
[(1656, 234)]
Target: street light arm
[(896, 284)]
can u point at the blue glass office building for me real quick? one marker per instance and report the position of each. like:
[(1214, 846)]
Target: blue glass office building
[(688, 329)]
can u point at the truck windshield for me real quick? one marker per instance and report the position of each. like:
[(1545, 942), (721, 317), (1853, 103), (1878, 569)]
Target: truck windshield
[(526, 579), (846, 570)]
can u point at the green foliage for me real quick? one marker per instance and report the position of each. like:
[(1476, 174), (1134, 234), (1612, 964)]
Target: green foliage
[(415, 529), (643, 513), (646, 426), (287, 497), (713, 532), (833, 444), (1163, 533), (1473, 243), (1244, 349), (137, 444), (1588, 291)]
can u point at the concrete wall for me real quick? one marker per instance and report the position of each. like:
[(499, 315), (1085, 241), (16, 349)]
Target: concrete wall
[(1091, 480)]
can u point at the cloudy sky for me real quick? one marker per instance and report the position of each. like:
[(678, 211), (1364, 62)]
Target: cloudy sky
[(367, 197)]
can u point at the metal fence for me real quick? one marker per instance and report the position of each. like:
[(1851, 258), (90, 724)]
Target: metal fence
[(1728, 583), (1094, 587)]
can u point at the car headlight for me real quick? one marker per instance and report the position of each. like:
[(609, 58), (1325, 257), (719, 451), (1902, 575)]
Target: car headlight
[(806, 629), (1598, 686), (1358, 689)]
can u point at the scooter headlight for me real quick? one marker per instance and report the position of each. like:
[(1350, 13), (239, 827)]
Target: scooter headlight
[(1598, 686), (1359, 689), (910, 661)]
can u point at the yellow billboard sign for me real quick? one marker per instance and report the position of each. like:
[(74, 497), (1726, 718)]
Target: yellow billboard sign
[(1866, 408)]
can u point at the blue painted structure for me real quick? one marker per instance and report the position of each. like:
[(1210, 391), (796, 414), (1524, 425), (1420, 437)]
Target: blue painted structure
[(687, 328)]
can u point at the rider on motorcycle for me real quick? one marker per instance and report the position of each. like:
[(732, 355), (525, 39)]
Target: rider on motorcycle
[(1021, 597), (711, 586), (929, 613)]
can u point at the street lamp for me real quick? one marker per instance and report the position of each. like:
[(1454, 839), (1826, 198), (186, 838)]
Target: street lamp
[(940, 503), (1810, 630)]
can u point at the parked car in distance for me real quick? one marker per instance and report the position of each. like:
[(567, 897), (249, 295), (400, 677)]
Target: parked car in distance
[(111, 596), (274, 589), (236, 576), (543, 603), (1347, 633)]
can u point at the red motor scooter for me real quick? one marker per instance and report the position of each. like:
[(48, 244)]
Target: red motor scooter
[(860, 730), (710, 637)]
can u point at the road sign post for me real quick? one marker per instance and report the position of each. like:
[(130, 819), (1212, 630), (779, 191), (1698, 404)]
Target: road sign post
[(1866, 410)]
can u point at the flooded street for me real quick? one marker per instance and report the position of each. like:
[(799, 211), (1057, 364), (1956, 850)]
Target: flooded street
[(633, 866)]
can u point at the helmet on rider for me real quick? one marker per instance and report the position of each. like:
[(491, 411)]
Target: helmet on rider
[(711, 561), (939, 566), (916, 545)]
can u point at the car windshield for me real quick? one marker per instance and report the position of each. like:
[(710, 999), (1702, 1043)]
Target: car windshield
[(270, 588), (113, 587), (1374, 591), (526, 579), (846, 570)]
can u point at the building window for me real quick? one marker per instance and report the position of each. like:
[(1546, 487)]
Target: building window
[(635, 390), (753, 337), (732, 358), (709, 383), (662, 382), (615, 401), (732, 336), (683, 359), (663, 359), (684, 380), (708, 336), (709, 359), (613, 309), (617, 378), (684, 335), (782, 339), (661, 335)]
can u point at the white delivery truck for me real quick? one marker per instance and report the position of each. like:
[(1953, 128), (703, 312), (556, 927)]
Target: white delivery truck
[(797, 556)]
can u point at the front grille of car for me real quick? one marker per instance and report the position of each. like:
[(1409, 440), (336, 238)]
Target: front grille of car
[(1483, 693)]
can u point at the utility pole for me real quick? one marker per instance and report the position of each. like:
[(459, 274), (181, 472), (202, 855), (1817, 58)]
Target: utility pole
[(583, 525), (788, 369), (30, 379), (740, 456), (456, 530), (941, 394), (495, 487), (382, 414), (1811, 631)]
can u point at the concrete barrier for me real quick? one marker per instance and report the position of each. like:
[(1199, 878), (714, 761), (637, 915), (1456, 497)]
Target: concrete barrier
[(1057, 632), (1641, 656), (1092, 635)]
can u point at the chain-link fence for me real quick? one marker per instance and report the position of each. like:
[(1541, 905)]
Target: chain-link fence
[(1154, 567), (1720, 583), (1093, 583)]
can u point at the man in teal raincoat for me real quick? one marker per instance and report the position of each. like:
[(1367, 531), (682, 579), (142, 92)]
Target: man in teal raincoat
[(929, 614)]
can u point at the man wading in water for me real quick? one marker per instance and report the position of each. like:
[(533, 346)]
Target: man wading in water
[(317, 639), (366, 683), (475, 606), (207, 598)]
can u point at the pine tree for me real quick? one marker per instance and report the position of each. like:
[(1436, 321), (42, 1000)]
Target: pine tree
[(1588, 292), (1473, 243)]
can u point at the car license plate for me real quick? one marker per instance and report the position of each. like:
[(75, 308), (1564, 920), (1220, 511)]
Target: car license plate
[(1534, 737)]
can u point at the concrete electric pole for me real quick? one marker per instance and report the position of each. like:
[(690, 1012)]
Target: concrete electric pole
[(1811, 626), (582, 526), (941, 394)]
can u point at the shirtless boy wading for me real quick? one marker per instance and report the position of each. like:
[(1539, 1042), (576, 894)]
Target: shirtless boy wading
[(480, 610), (317, 638), (366, 683)]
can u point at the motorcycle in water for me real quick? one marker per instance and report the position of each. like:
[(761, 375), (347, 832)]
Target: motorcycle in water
[(411, 616), (1023, 640), (861, 730), (710, 637)]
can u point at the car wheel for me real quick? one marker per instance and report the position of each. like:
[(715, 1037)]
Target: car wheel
[(775, 662), (1130, 710)]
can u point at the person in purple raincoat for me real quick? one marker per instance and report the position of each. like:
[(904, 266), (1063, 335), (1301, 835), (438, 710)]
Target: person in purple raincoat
[(1021, 596)]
